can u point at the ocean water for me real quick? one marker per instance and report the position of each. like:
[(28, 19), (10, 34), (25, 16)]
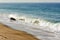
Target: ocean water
[(39, 19), (40, 14)]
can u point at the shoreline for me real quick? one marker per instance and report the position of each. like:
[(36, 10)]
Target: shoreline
[(7, 33)]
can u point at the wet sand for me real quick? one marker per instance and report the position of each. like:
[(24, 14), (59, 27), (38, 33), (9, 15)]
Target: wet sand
[(7, 33)]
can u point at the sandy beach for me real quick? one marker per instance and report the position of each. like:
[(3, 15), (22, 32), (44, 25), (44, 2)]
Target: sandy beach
[(7, 33)]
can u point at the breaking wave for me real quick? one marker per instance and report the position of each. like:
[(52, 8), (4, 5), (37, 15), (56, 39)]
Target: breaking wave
[(50, 26), (39, 22)]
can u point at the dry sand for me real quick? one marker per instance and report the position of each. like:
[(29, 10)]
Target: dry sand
[(7, 33)]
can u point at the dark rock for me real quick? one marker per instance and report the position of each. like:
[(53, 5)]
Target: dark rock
[(12, 19)]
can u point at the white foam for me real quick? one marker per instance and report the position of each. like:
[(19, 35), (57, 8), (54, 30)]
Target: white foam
[(45, 25)]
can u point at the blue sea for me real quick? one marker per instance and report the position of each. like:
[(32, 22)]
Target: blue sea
[(44, 16), (46, 11)]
